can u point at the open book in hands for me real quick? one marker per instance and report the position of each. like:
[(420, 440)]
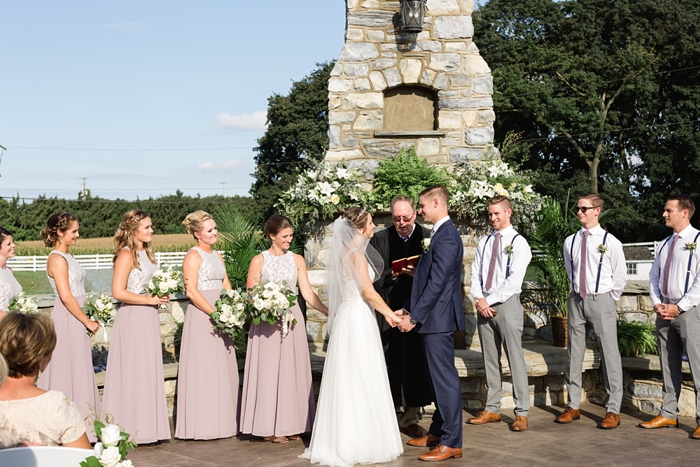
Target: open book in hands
[(400, 264)]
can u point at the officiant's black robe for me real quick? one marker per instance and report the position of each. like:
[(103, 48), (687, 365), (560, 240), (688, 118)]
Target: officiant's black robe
[(404, 355)]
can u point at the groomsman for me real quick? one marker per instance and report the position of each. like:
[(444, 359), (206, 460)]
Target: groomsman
[(405, 359), (674, 289), (596, 267), (496, 282)]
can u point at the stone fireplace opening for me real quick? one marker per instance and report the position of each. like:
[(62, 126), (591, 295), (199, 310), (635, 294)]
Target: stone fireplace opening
[(410, 108)]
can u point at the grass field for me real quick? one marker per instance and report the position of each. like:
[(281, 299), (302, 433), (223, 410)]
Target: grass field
[(105, 245)]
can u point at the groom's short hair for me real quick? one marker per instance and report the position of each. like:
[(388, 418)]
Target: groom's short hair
[(436, 192)]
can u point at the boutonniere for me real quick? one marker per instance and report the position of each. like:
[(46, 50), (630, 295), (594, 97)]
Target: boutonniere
[(426, 244), (602, 249), (509, 250), (690, 246)]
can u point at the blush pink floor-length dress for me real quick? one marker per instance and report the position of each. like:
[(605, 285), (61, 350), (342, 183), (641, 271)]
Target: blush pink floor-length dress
[(278, 397), (207, 383), (70, 370), (134, 391)]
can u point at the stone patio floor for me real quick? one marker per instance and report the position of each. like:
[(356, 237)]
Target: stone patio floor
[(544, 444)]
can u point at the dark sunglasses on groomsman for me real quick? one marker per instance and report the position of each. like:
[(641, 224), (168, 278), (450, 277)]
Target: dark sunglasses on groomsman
[(584, 209)]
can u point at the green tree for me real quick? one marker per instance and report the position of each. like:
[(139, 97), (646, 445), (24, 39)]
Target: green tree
[(296, 135), (596, 90)]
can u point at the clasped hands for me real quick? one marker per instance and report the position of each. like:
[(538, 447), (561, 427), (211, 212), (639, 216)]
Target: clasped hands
[(484, 309), (400, 319), (667, 311)]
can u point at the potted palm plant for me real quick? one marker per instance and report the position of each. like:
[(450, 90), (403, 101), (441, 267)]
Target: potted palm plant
[(547, 243)]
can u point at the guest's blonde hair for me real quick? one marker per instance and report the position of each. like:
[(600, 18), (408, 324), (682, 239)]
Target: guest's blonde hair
[(194, 220), (25, 340), (3, 369), (126, 237)]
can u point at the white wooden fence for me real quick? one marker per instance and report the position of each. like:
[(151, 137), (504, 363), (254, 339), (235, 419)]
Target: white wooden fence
[(38, 263)]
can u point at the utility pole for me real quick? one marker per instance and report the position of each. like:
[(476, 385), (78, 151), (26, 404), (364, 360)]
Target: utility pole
[(84, 192), (223, 188)]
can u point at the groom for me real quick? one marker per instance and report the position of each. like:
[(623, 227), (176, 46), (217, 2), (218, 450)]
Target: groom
[(435, 310)]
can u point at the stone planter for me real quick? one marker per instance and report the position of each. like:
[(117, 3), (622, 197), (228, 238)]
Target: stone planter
[(559, 330)]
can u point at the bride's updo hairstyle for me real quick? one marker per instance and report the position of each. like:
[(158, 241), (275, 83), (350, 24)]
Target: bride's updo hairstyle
[(276, 223), (60, 221), (194, 222), (357, 215), (126, 237)]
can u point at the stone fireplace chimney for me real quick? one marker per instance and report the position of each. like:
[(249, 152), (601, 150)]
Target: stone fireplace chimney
[(391, 90)]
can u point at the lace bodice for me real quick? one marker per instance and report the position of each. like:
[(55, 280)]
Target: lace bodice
[(138, 278), (279, 268), (50, 419), (76, 275), (9, 288), (211, 272)]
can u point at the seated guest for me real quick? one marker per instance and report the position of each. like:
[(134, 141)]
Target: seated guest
[(29, 415)]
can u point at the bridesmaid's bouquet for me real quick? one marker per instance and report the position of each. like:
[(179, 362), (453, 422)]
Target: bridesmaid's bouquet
[(230, 312), (165, 282), (23, 304), (271, 302), (112, 448), (99, 307)]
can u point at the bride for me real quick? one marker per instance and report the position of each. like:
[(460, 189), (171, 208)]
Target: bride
[(355, 417)]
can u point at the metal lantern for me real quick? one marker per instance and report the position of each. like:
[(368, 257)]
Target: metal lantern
[(412, 12)]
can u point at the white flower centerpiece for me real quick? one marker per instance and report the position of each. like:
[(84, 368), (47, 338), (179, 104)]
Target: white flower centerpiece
[(24, 304), (165, 282), (230, 314), (323, 191), (271, 302), (477, 182), (112, 447)]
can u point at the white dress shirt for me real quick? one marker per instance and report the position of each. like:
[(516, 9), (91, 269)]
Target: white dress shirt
[(613, 269), (678, 272), (501, 288), (437, 225)]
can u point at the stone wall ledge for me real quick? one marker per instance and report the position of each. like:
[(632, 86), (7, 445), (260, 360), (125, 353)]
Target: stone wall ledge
[(403, 134)]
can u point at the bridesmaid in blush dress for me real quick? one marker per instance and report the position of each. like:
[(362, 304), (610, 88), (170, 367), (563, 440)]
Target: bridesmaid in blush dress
[(278, 400), (134, 385), (207, 383), (9, 287), (70, 370)]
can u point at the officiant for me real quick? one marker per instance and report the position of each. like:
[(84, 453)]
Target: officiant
[(405, 360)]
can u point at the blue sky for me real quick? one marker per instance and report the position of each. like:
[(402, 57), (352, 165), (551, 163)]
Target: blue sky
[(143, 98)]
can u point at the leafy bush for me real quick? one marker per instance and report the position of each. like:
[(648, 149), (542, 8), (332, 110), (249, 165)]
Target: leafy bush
[(635, 338), (405, 174), (548, 263)]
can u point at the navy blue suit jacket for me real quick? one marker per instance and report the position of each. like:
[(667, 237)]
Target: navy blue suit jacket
[(436, 299)]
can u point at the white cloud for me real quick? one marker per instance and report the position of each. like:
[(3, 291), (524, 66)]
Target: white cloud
[(256, 121), (126, 26), (229, 164)]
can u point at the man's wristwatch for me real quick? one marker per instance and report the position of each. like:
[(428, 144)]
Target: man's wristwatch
[(680, 310), (412, 321)]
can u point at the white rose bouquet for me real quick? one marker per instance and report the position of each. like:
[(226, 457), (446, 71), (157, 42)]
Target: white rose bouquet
[(230, 312), (99, 307), (271, 302), (165, 282), (23, 304), (112, 448)]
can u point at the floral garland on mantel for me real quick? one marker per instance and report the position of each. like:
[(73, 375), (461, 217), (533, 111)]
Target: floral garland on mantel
[(329, 188)]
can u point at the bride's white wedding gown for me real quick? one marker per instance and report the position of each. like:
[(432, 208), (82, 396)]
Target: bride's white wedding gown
[(355, 417)]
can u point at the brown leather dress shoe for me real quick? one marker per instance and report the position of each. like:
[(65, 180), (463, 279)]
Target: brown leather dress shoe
[(520, 424), (611, 420), (696, 433), (441, 453), (484, 417), (568, 416), (659, 422), (414, 430), (424, 441)]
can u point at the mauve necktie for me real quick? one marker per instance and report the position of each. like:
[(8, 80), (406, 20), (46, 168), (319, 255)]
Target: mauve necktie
[(582, 265), (667, 266), (494, 257)]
